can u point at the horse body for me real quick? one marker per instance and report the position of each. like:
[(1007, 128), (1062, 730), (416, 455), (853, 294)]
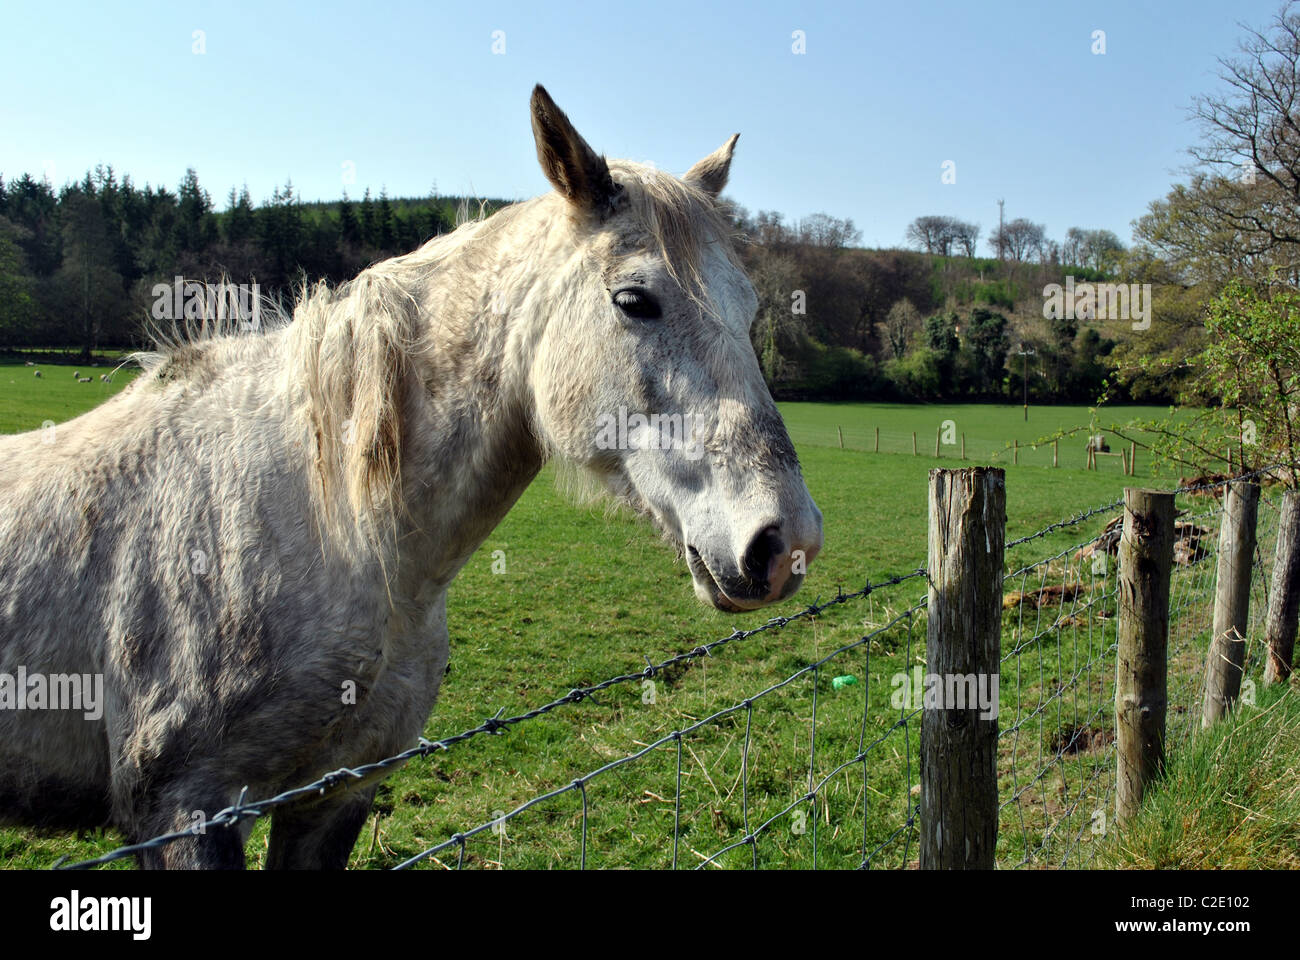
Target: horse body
[(253, 542)]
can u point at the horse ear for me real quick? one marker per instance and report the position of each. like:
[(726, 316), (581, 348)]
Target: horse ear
[(710, 174), (574, 169)]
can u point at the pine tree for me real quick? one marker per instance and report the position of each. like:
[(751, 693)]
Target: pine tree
[(368, 220), (385, 239), (240, 221), (349, 228)]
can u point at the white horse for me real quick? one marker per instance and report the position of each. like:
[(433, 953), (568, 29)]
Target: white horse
[(251, 545)]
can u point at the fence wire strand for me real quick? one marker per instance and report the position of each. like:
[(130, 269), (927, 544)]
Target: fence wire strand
[(1056, 745)]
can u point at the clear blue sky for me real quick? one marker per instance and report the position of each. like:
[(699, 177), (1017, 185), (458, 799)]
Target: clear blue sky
[(858, 126)]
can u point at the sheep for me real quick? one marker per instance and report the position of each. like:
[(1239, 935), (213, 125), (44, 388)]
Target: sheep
[(37, 372), (83, 379)]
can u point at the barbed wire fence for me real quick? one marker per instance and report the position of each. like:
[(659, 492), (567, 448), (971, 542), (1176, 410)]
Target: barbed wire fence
[(853, 800)]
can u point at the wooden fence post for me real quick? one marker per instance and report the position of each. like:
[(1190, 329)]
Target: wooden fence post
[(963, 446), (1146, 557), (840, 431), (1054, 452), (877, 439), (1223, 666), (913, 443), (937, 434), (1284, 594), (1132, 459), (959, 740), (1016, 455)]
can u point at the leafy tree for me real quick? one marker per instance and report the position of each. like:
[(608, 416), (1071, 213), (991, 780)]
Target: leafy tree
[(91, 290), (902, 321), (987, 342), (16, 286)]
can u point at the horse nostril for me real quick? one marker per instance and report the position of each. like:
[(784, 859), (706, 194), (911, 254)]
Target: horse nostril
[(757, 561)]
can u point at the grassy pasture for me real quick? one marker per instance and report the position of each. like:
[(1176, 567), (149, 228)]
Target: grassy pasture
[(27, 401), (585, 596)]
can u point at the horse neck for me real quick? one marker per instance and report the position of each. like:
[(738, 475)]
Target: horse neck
[(471, 449)]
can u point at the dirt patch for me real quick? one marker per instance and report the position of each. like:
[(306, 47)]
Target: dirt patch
[(1056, 593), (1078, 739)]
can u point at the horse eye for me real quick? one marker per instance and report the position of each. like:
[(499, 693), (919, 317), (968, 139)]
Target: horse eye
[(637, 303)]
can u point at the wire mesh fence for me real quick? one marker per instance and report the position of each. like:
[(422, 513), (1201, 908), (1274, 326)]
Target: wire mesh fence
[(1056, 739), (1068, 450), (1057, 758), (715, 792), (818, 764)]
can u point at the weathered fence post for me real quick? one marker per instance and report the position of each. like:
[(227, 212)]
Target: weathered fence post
[(963, 446), (937, 434), (959, 741), (1016, 459), (1054, 452), (877, 439), (1284, 594), (840, 431), (1146, 557), (1223, 666), (913, 443)]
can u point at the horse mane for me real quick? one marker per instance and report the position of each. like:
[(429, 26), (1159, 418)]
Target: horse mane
[(352, 359)]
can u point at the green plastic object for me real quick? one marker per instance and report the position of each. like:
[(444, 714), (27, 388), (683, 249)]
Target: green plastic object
[(848, 680)]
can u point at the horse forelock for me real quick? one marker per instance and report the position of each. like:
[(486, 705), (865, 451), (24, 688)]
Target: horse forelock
[(681, 220)]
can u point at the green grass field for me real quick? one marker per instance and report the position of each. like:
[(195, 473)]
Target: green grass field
[(27, 401), (585, 596)]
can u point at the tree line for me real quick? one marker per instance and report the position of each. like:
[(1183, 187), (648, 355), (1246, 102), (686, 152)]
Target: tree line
[(78, 265), (838, 322)]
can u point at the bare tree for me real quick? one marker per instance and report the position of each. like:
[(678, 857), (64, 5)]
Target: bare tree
[(1241, 211), (1072, 248), (941, 235), (1251, 131), (1019, 239), (823, 230), (930, 233), (966, 236)]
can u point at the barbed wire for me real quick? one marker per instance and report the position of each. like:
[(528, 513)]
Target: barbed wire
[(578, 784), (350, 776), (1119, 502)]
